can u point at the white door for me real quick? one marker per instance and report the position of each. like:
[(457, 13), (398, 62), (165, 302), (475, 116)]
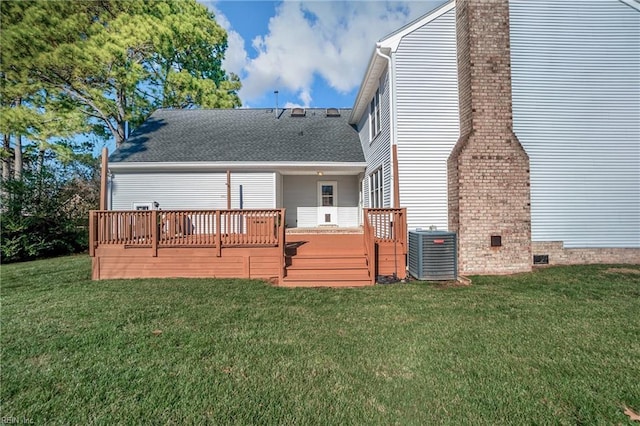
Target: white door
[(327, 203)]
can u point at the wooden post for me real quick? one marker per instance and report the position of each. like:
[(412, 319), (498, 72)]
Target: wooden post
[(103, 178), (396, 183), (283, 243), (155, 234), (404, 230), (218, 235), (92, 233)]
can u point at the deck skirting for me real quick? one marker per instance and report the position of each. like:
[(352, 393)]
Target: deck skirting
[(112, 262)]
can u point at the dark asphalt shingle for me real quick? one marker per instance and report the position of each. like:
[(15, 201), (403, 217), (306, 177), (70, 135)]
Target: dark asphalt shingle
[(230, 135)]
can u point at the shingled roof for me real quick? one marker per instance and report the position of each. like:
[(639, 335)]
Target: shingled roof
[(250, 135)]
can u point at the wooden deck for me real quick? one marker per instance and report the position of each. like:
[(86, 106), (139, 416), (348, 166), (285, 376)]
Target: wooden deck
[(319, 259), (245, 244)]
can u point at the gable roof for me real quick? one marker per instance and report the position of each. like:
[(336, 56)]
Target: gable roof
[(241, 135), (378, 64)]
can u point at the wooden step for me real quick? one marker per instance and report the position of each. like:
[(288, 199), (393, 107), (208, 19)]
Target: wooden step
[(321, 260), (314, 244), (325, 283), (327, 274), (326, 262)]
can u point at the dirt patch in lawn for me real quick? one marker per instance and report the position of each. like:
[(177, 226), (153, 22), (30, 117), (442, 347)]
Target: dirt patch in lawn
[(623, 271)]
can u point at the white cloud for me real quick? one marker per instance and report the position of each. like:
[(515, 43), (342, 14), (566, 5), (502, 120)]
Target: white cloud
[(235, 58), (293, 105), (332, 40)]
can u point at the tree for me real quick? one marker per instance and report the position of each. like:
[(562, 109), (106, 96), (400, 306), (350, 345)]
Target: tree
[(28, 108), (90, 67), (116, 61), (45, 213)]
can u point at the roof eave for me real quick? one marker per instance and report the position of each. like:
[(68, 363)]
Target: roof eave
[(369, 84), (328, 167)]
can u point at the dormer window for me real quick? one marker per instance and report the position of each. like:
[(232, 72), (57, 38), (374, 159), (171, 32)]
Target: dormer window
[(374, 115), (298, 112), (333, 112)]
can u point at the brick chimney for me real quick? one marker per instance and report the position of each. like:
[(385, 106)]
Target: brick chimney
[(488, 169)]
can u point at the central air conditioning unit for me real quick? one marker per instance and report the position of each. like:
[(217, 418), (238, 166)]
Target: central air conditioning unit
[(433, 255)]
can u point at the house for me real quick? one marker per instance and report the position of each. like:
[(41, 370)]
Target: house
[(308, 161), (553, 90), (513, 123), (245, 176)]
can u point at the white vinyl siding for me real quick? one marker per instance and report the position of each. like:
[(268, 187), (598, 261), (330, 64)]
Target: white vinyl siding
[(576, 109), (174, 191), (427, 119), (378, 153), (300, 197)]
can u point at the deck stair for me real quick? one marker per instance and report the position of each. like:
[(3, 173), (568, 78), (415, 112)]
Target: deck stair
[(326, 260)]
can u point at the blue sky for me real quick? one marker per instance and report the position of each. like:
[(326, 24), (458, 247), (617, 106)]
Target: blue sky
[(313, 52)]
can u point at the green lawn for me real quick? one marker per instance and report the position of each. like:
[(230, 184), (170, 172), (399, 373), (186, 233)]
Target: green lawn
[(558, 346)]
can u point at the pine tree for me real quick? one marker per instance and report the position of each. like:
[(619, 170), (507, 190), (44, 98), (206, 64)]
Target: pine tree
[(110, 62)]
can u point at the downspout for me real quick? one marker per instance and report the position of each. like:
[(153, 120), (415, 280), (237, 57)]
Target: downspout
[(110, 178), (395, 187), (228, 190)]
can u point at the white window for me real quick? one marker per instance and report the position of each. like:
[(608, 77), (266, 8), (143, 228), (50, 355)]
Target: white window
[(376, 189), (146, 205), (374, 115)]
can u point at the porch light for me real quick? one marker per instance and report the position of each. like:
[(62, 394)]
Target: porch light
[(320, 173)]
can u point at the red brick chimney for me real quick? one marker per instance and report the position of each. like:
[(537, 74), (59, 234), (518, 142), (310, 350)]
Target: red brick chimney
[(488, 169)]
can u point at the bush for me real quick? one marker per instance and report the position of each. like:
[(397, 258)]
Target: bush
[(42, 216)]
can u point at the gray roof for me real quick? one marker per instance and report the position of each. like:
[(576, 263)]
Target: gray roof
[(228, 135)]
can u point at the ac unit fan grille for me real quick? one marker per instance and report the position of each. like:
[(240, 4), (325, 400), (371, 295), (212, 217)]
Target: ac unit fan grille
[(433, 255)]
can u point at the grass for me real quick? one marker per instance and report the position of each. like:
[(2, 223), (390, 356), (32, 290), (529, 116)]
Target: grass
[(557, 346)]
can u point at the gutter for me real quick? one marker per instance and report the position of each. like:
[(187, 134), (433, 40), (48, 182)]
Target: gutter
[(393, 137), (354, 117), (223, 166)]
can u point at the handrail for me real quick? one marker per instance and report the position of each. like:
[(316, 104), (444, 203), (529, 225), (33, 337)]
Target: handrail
[(389, 225), (384, 226), (187, 228), (283, 245)]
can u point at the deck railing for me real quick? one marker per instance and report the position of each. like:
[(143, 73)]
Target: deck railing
[(187, 228), (370, 249), (387, 225), (384, 226)]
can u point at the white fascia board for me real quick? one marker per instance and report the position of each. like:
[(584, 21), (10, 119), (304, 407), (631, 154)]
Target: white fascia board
[(367, 87), (291, 167), (635, 4), (392, 41), (377, 65)]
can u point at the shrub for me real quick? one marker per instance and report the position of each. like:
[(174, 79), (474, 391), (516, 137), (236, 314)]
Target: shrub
[(42, 216)]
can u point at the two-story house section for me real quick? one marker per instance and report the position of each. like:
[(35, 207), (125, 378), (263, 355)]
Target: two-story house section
[(414, 72), (575, 71)]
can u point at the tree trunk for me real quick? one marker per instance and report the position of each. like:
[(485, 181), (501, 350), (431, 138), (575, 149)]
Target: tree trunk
[(6, 160), (120, 137), (17, 152), (121, 102), (17, 165), (40, 162)]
